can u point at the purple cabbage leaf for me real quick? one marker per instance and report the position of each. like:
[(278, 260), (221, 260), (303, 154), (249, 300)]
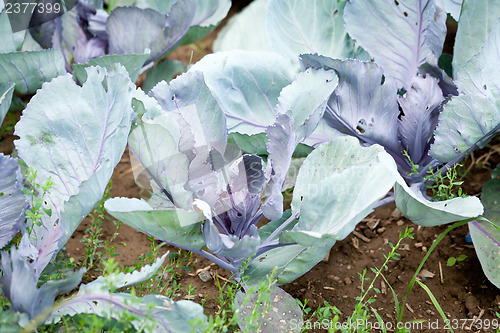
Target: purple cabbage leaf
[(273, 321), (411, 33), (237, 34), (28, 68), (152, 313), (90, 33), (6, 93), (90, 121), (19, 284), (477, 19), (290, 28), (12, 201), (486, 234), (363, 108), (472, 118), (328, 203), (94, 128), (246, 86)]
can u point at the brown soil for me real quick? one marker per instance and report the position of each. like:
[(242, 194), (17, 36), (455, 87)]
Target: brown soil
[(463, 292)]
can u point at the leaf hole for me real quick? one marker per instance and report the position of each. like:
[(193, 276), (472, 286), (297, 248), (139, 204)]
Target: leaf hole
[(361, 126)]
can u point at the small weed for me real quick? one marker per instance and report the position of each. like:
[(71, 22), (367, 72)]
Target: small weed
[(443, 187), (362, 310), (456, 261), (36, 192), (8, 125), (225, 319), (358, 321), (92, 240), (304, 307)]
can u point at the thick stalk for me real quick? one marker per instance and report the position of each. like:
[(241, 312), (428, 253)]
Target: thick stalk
[(279, 229)]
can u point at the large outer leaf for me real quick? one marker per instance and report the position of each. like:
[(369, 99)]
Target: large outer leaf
[(121, 280), (153, 313), (6, 92), (29, 70), (209, 13), (237, 34), (283, 313), (291, 261), (313, 26), (486, 235), (172, 226), (469, 118), (188, 96), (9, 41), (132, 62), (337, 186), (246, 86), (477, 19), (12, 201), (76, 135), (304, 101), (20, 285), (415, 206), (401, 35), (361, 105), (157, 151), (157, 32)]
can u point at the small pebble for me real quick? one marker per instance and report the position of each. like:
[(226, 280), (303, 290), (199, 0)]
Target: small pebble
[(205, 276), (400, 222), (347, 280), (381, 230)]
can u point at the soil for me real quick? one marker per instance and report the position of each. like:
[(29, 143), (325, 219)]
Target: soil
[(462, 291)]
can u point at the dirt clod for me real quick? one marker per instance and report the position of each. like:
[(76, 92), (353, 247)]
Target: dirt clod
[(472, 304), (396, 214)]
